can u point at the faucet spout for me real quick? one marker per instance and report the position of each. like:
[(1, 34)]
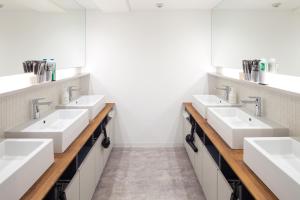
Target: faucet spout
[(71, 89), (258, 104), (227, 90), (35, 107)]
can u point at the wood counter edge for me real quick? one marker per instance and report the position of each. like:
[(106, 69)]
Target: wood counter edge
[(61, 161), (234, 158)]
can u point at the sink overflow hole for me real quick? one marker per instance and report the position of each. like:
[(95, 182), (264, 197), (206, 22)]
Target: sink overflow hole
[(250, 120)]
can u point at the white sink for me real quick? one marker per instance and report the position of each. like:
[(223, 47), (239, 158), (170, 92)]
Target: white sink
[(22, 162), (276, 161), (63, 126), (234, 124), (94, 103), (203, 102)]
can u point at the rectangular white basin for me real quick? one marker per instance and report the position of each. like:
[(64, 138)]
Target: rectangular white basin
[(63, 126), (203, 102), (234, 124), (276, 161), (22, 162), (94, 103)]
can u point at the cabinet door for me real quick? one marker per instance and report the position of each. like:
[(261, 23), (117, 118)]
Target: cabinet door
[(210, 176), (224, 189), (72, 190), (110, 133), (87, 176), (111, 127), (186, 130), (199, 159), (99, 159)]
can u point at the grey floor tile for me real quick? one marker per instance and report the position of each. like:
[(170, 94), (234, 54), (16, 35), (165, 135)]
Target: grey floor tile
[(148, 174)]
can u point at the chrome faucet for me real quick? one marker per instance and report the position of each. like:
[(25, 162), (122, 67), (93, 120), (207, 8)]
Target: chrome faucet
[(71, 89), (227, 90), (258, 105), (35, 107)]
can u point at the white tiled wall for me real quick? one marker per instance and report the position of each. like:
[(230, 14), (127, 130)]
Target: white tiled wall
[(16, 109), (279, 107)]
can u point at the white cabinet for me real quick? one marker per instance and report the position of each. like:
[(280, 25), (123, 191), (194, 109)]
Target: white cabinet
[(199, 159), (213, 182), (86, 178), (224, 189), (87, 174), (72, 190), (210, 176), (99, 158)]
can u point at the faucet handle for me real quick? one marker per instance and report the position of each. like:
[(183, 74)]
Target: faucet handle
[(225, 87), (73, 86), (253, 97)]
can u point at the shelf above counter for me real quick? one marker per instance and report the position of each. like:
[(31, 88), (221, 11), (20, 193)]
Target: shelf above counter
[(283, 84), (14, 84)]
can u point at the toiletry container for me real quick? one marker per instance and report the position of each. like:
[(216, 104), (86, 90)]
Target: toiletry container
[(263, 66), (255, 71), (232, 96), (247, 67), (65, 97), (52, 67), (272, 65)]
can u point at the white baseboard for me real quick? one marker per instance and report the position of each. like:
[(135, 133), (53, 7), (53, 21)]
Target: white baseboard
[(148, 145)]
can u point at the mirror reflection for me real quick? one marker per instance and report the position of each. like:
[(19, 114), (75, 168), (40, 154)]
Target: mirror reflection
[(257, 30), (39, 30)]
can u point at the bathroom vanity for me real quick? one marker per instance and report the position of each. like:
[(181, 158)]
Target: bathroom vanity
[(76, 172), (219, 168)]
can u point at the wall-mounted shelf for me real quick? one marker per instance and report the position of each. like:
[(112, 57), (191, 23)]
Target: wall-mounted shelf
[(278, 83), (10, 85)]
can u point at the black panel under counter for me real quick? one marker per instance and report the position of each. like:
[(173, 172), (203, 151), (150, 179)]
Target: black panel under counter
[(200, 133), (84, 151), (212, 150)]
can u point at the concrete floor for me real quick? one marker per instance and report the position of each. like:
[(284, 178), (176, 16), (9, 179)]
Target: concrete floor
[(148, 174)]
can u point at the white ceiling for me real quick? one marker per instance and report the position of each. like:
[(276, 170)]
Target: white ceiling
[(106, 5), (145, 5), (40, 5), (258, 5)]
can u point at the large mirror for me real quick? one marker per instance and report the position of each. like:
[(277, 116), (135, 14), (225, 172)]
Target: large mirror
[(41, 29), (257, 29)]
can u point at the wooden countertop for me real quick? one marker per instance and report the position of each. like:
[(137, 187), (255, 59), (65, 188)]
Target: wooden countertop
[(234, 158), (44, 184)]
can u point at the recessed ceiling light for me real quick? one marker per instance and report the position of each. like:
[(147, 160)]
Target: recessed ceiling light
[(160, 5), (276, 4)]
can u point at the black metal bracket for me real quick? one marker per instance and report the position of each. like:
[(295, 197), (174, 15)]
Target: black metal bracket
[(190, 138), (106, 140)]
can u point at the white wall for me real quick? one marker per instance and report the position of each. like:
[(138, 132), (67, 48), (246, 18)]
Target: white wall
[(29, 35), (149, 63), (240, 34)]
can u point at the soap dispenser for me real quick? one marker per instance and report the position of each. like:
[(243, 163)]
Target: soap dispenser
[(263, 67)]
